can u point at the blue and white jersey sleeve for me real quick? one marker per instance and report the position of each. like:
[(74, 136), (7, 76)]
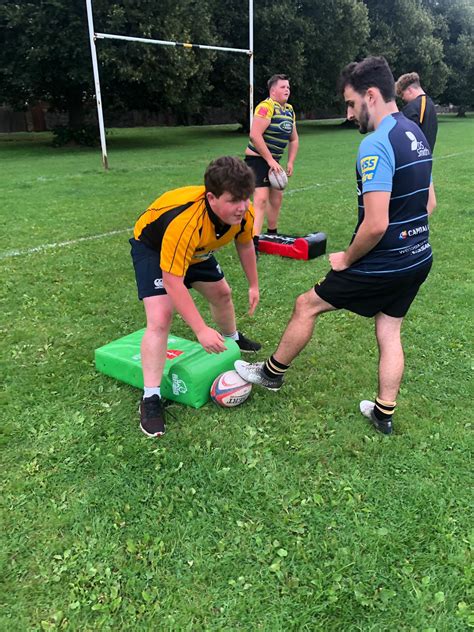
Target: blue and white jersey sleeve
[(376, 164)]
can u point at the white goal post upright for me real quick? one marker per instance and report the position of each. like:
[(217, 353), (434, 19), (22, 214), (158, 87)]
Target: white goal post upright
[(93, 36)]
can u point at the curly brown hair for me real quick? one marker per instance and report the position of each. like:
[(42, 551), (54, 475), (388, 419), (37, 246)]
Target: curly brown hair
[(405, 81), (232, 175)]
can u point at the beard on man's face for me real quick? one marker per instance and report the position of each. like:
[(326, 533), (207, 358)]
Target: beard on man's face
[(363, 120)]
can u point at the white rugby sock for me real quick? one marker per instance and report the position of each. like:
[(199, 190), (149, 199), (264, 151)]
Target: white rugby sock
[(149, 391), (234, 336)]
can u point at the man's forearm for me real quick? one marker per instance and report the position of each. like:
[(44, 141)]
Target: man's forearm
[(365, 239), (261, 147)]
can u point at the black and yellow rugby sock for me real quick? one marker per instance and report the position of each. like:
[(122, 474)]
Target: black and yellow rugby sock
[(272, 368), (384, 410)]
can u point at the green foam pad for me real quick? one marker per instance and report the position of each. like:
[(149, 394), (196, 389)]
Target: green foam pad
[(189, 370)]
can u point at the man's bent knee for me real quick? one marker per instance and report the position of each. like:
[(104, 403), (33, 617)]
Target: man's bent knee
[(310, 304)]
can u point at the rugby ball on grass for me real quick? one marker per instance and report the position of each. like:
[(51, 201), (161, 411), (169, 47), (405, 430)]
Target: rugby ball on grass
[(229, 389), (278, 179)]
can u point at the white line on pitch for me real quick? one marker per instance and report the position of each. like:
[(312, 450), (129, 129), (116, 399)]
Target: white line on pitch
[(29, 251), (459, 153), (315, 186)]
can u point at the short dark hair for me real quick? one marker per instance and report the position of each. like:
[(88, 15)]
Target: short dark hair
[(407, 80), (274, 79), (232, 175), (371, 72)]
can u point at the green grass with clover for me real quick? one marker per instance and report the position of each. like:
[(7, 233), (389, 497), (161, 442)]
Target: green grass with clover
[(288, 513)]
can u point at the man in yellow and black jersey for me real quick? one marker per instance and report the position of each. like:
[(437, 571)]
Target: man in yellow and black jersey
[(172, 251), (273, 129), (419, 107)]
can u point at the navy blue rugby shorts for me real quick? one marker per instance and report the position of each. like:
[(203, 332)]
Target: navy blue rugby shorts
[(149, 276)]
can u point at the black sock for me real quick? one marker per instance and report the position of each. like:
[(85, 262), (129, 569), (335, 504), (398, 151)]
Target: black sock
[(272, 368), (256, 239), (384, 410), (272, 231)]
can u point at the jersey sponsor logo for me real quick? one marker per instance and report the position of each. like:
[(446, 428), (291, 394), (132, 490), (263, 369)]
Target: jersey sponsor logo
[(286, 126), (158, 283), (413, 232), (415, 250), (417, 145), (263, 111), (412, 138), (368, 166)]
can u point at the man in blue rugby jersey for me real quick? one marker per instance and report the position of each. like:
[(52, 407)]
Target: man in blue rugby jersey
[(389, 256)]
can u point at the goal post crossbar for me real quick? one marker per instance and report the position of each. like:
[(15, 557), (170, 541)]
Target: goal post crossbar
[(145, 40), (93, 36)]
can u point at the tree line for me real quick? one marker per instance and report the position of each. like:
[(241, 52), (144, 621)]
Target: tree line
[(45, 53)]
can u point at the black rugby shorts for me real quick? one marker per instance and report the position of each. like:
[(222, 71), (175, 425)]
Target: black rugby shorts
[(260, 168), (369, 295)]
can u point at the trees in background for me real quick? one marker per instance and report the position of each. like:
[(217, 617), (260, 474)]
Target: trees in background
[(45, 53), (405, 32), (454, 20)]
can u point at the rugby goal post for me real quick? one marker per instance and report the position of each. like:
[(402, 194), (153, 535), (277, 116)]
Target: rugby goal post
[(93, 36)]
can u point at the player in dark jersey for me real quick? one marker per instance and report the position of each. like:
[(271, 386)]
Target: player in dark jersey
[(419, 107), (172, 251), (389, 256), (273, 129)]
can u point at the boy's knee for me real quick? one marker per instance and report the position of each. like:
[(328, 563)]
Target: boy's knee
[(161, 324), (223, 295)]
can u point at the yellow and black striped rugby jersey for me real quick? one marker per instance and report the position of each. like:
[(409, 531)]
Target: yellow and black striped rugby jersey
[(282, 122), (181, 225)]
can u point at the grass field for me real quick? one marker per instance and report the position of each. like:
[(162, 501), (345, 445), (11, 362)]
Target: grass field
[(288, 513)]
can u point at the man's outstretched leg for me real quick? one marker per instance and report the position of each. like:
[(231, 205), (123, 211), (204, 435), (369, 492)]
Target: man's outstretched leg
[(391, 365), (297, 334)]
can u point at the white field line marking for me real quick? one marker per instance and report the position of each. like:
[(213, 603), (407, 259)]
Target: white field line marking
[(29, 251), (72, 242), (459, 153), (314, 186)]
